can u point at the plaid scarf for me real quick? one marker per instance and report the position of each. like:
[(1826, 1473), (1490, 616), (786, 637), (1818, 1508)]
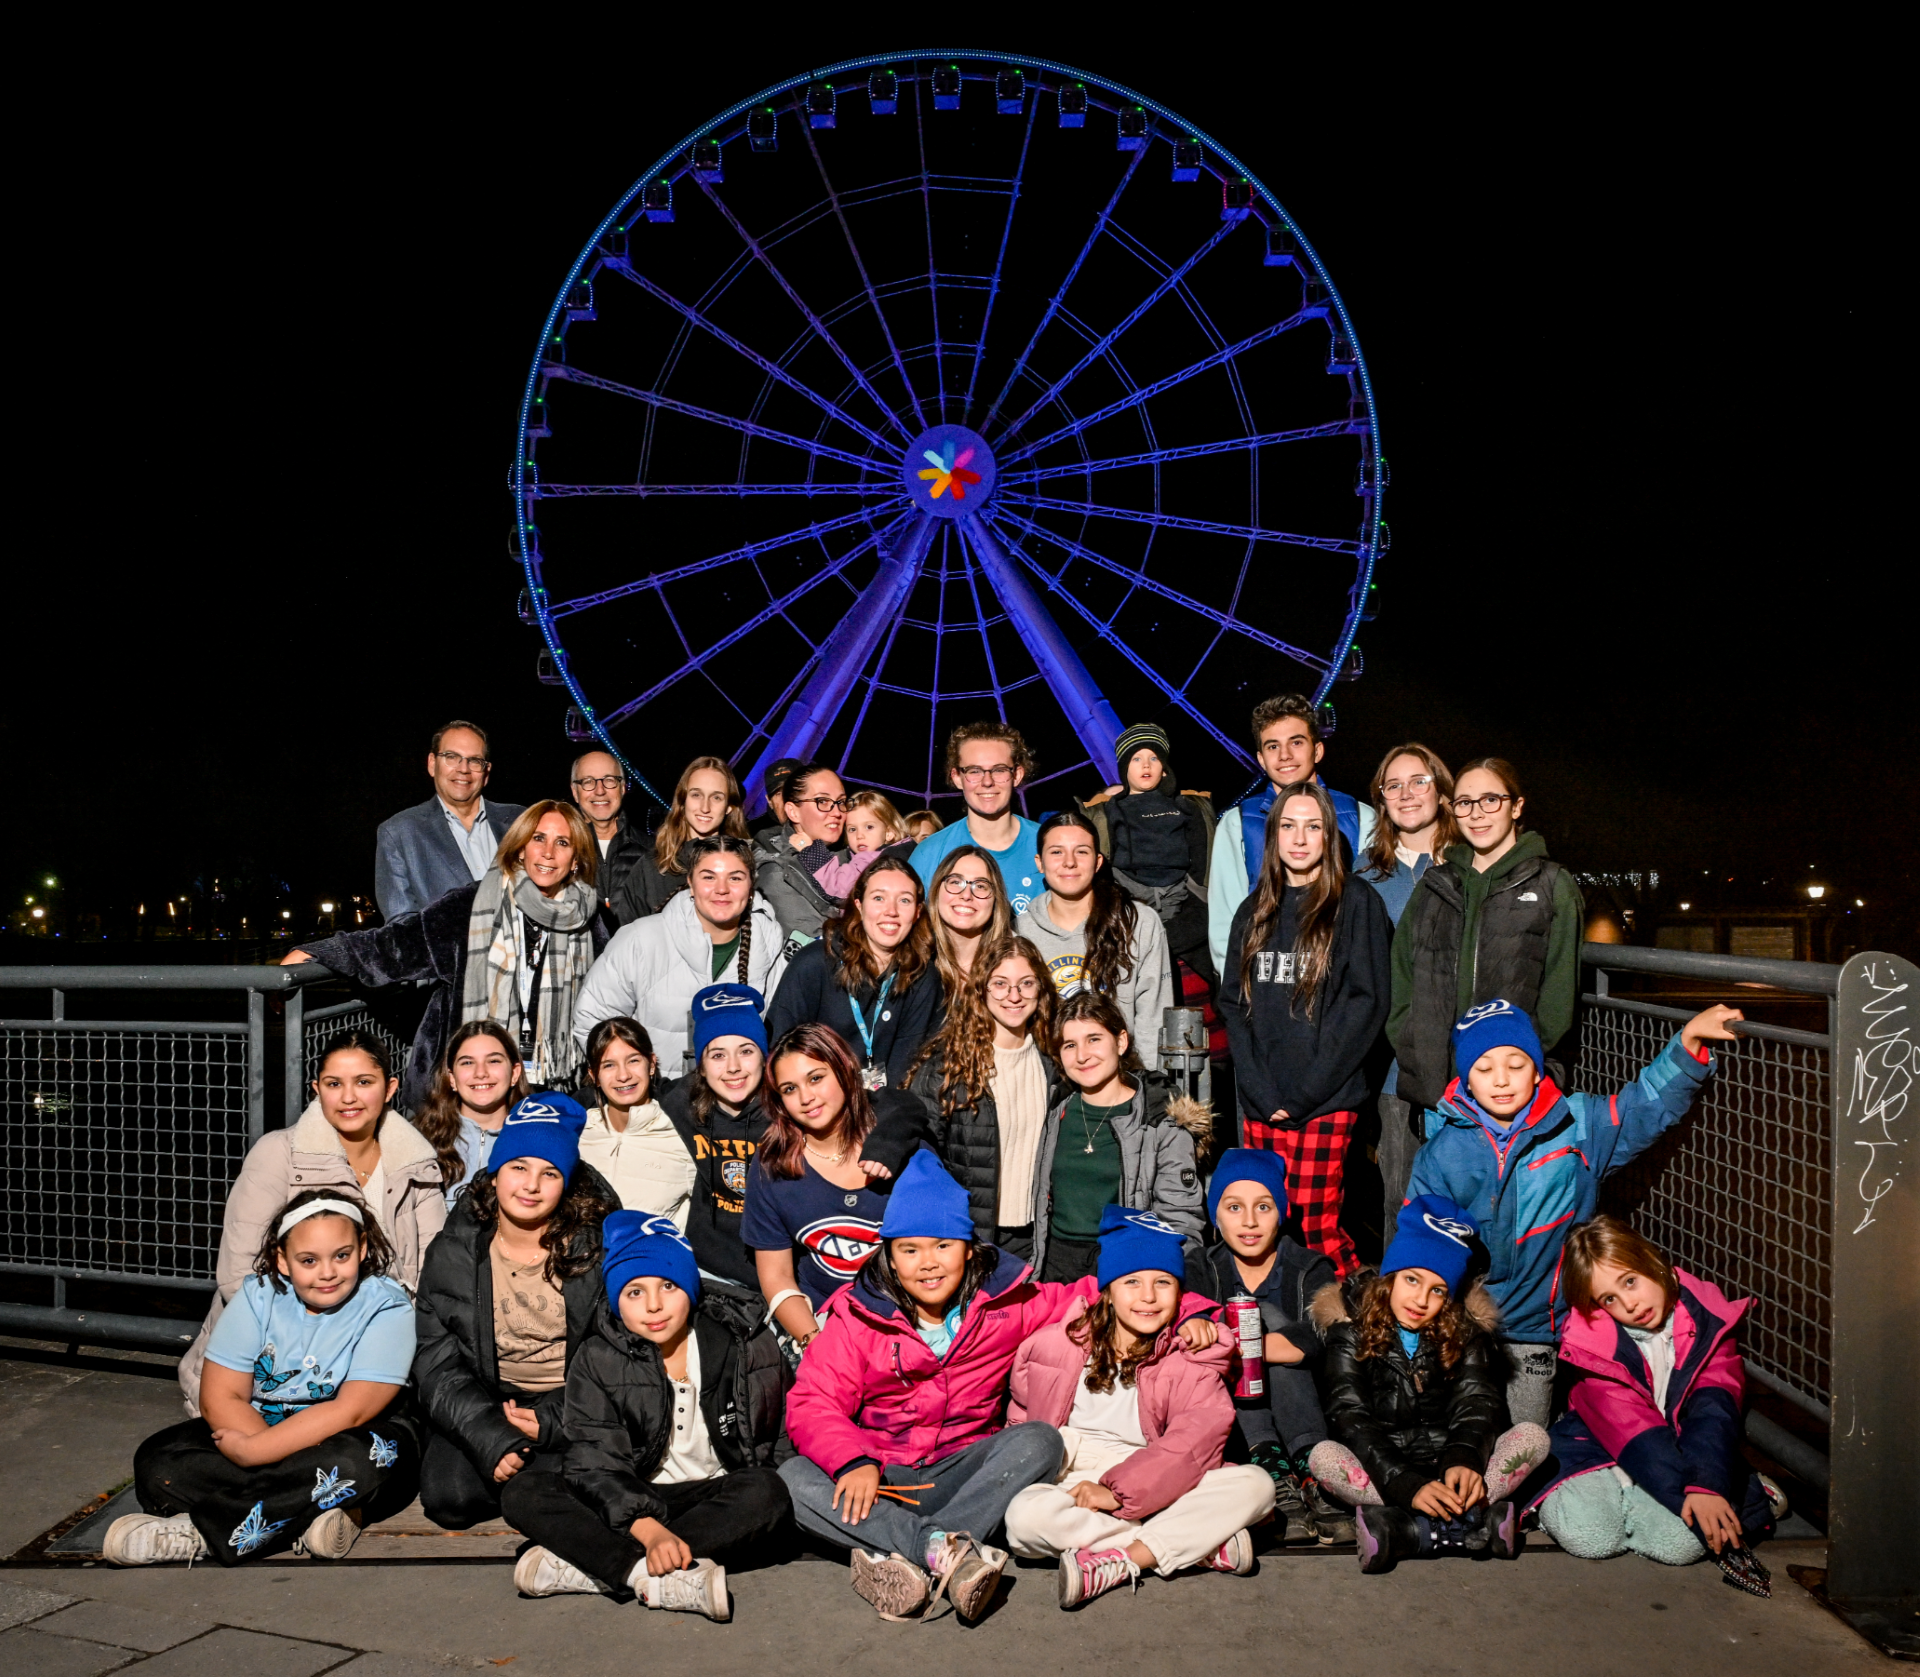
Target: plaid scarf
[(498, 951)]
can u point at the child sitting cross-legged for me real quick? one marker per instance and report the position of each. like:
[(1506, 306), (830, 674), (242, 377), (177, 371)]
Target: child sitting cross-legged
[(1649, 1451), (299, 1439), (1248, 1204), (673, 1423), (1144, 1417), (1421, 1443)]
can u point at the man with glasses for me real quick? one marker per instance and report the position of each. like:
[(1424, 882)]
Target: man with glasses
[(600, 791), (448, 841), (987, 762)]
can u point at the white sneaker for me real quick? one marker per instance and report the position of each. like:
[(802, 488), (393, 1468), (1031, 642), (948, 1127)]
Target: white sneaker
[(541, 1572), (1776, 1498), (1234, 1556), (700, 1588), (143, 1539), (330, 1537)]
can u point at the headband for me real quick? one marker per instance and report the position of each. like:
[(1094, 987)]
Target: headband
[(317, 1208)]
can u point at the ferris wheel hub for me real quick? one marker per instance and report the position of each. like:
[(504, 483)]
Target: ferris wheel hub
[(949, 471)]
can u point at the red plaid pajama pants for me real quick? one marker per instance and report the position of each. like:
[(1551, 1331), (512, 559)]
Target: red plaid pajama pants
[(1316, 1155)]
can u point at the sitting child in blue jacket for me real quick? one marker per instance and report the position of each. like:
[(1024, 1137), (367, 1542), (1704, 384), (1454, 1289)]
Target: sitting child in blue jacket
[(1526, 1162)]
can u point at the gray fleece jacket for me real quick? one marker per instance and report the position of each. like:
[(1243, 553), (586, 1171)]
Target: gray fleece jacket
[(1148, 991)]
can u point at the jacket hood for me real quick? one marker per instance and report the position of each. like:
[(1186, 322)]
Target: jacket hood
[(683, 925), (1591, 1338), (1007, 1274), (1336, 1302), (1526, 846), (402, 1148)]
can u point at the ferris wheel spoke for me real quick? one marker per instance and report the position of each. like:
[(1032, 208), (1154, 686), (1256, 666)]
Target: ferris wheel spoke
[(986, 642), (1191, 451), (1139, 579), (1134, 398), (933, 287), (1174, 695), (766, 614), (753, 550), (999, 266), (819, 326), (564, 491), (1168, 521), (860, 267), (771, 369), (653, 398), (1059, 296), (1107, 341)]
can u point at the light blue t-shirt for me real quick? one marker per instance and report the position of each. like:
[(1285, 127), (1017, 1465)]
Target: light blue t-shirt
[(298, 1356), (939, 1337), (1409, 1340), (1019, 862)]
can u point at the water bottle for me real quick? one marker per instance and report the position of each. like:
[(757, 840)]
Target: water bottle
[(1243, 1322)]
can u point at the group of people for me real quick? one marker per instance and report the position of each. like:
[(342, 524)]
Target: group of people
[(817, 1182)]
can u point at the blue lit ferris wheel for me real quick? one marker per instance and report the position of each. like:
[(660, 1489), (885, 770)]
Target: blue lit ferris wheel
[(939, 385)]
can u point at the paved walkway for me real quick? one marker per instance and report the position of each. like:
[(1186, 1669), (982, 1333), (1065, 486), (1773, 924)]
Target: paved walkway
[(67, 1433)]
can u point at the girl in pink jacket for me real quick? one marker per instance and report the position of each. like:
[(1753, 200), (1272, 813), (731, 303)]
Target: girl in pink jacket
[(1144, 1416)]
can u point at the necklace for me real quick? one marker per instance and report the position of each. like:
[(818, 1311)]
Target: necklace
[(835, 1158), (1084, 1130)]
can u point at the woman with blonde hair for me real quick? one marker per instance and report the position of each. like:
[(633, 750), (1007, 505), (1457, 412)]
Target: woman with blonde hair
[(706, 800), (514, 946)]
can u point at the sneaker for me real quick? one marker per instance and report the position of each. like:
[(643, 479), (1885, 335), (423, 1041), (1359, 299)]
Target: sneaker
[(700, 1588), (968, 1574), (1505, 1539), (331, 1536), (896, 1588), (144, 1539), (1235, 1555), (1332, 1522), (541, 1572), (1292, 1523), (1086, 1573), (1776, 1498)]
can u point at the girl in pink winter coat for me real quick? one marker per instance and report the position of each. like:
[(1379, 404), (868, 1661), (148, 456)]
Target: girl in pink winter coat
[(1144, 1414)]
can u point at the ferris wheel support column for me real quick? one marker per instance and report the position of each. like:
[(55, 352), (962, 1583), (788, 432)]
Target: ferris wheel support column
[(1094, 720), (843, 656)]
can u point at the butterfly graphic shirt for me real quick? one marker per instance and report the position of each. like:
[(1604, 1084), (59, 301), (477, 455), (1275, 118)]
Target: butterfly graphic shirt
[(298, 1356)]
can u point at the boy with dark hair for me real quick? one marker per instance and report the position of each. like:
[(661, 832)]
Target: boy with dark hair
[(987, 762)]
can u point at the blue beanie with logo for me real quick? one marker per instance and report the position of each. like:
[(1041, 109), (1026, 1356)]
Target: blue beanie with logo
[(1435, 1234), (1248, 1164), (1491, 1025), (728, 1010), (545, 1126), (636, 1243), (927, 1204), (1131, 1241)]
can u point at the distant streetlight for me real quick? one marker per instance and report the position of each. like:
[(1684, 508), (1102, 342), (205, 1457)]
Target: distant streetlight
[(39, 914), (286, 914), (1859, 902), (51, 882), (1816, 892), (1685, 906), (326, 908)]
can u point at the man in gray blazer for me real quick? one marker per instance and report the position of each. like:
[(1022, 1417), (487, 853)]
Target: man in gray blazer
[(449, 840)]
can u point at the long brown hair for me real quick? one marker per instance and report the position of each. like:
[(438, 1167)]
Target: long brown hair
[(439, 1116), (1090, 1004), (675, 829), (572, 1235), (586, 849), (1607, 1240), (1376, 1330), (1319, 906), (847, 936), (965, 1041), (1381, 861), (783, 1144), (379, 1258), (1111, 920), (1098, 1333), (999, 924)]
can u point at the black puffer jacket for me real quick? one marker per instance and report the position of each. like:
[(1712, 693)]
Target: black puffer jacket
[(1409, 1421), (645, 889), (619, 1414), (455, 1364), (968, 1141)]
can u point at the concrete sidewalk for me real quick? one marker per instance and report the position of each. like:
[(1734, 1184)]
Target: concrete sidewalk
[(69, 1432)]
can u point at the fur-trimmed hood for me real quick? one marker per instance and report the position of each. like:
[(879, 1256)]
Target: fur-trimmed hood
[(1193, 1116), (1339, 1300)]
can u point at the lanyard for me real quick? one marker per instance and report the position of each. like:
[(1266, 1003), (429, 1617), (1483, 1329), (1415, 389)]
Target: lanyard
[(860, 1019)]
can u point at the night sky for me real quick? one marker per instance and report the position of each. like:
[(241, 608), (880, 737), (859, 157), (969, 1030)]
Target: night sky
[(1623, 335)]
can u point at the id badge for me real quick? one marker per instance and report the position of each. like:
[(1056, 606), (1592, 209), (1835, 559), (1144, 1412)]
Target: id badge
[(873, 1077)]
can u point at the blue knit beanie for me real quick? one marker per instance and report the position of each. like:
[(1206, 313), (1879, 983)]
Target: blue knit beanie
[(1131, 1241), (1491, 1025), (927, 1203), (728, 1010), (1248, 1164), (545, 1126), (635, 1243), (1433, 1233)]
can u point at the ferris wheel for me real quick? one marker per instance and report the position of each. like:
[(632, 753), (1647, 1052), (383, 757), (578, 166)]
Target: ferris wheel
[(934, 386)]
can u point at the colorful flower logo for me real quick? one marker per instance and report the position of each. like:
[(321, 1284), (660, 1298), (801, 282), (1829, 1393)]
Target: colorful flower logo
[(948, 471)]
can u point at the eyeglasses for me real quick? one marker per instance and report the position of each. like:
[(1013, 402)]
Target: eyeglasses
[(955, 886), (1005, 987), (601, 782), (1419, 783), (824, 805), (454, 760), (1489, 801), (975, 774)]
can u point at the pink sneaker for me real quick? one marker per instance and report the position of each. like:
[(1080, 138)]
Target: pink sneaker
[(1235, 1555), (1086, 1573)]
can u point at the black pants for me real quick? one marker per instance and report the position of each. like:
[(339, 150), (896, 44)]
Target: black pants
[(456, 1494), (1069, 1260), (1016, 1242), (729, 1520), (247, 1511)]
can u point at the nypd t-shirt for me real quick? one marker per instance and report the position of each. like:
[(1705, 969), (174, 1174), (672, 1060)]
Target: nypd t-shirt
[(830, 1230), (299, 1356), (1019, 863)]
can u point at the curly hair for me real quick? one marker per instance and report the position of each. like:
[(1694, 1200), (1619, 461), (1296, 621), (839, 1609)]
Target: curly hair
[(1111, 922), (1098, 1333), (379, 1256), (859, 962), (1319, 909), (1269, 711), (1017, 753), (572, 1235), (1376, 1330), (965, 1041), (782, 1147), (999, 924), (439, 1116)]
